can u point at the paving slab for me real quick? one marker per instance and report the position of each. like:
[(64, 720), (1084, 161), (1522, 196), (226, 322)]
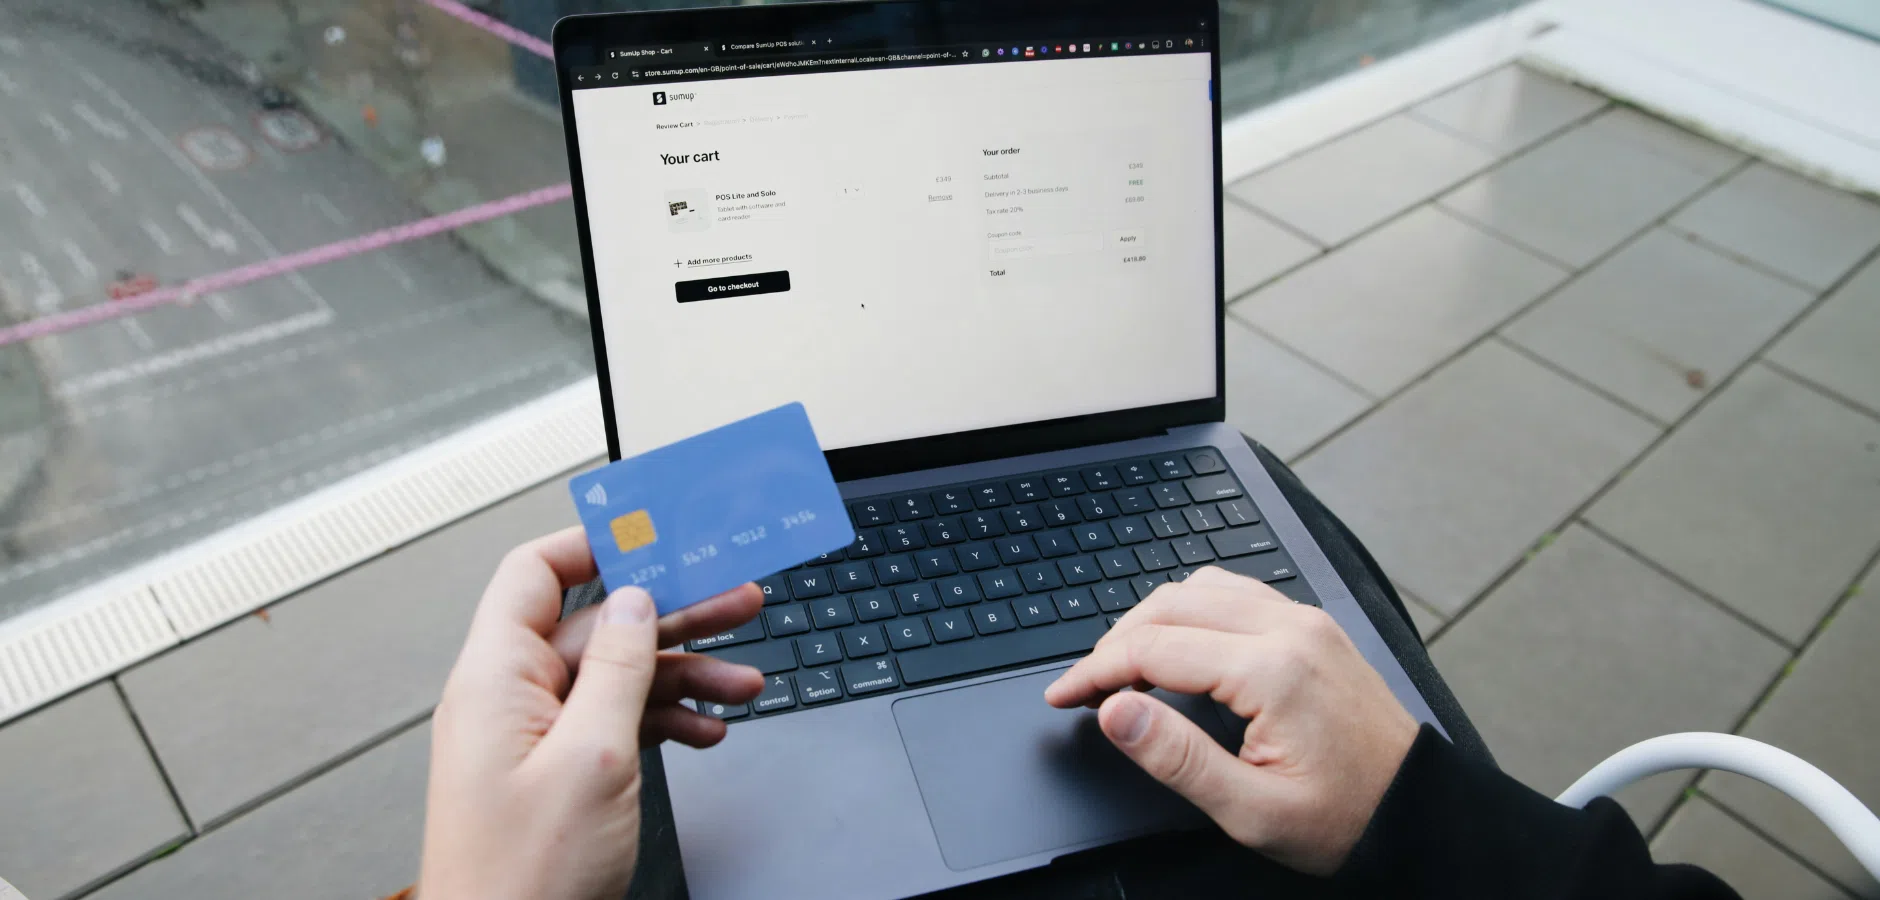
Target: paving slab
[(1585, 651), (1256, 249), (1824, 712), (1340, 188), (80, 797), (1427, 620), (1389, 306), (1660, 323), (356, 831), (1280, 399), (1587, 190), (1702, 835), (1799, 227), (1508, 109), (1835, 345), (1455, 479), (1765, 499), (253, 706)]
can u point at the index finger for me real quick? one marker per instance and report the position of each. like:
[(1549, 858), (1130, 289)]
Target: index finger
[(526, 588), (1173, 657)]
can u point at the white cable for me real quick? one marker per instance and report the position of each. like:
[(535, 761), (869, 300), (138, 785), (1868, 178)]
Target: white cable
[(1834, 805)]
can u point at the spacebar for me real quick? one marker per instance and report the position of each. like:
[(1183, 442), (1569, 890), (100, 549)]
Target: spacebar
[(1000, 650)]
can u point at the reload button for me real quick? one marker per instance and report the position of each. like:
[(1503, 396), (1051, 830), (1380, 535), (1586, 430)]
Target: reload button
[(732, 286)]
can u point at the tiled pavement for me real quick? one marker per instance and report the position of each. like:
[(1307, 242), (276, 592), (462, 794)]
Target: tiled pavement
[(1601, 395)]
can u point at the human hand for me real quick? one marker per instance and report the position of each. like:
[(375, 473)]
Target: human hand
[(535, 747), (1324, 739)]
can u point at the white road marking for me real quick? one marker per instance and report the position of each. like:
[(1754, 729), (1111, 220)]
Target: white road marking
[(104, 176), (8, 86), (214, 237), (30, 199), (100, 124), (57, 127), (139, 336), (229, 343), (160, 237), (80, 261), (219, 303), (50, 298), (318, 201), (397, 271)]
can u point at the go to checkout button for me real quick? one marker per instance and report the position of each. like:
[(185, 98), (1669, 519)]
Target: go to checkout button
[(732, 286)]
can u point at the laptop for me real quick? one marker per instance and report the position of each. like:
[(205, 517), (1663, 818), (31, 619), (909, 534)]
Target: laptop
[(980, 241)]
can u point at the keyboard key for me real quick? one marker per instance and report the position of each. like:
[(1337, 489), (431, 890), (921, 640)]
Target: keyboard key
[(1114, 596), (1060, 512), (779, 694), (725, 711), (1204, 517), (811, 583), (857, 576), (959, 591), (1206, 462), (1021, 518), (787, 620), (1145, 584), (1167, 524), (817, 649), (974, 557), (1101, 478), (1015, 550), (894, 570), (863, 640), (820, 686), (1171, 467), (1034, 611), (1075, 603), (1053, 544), (1193, 550), (743, 634), (1180, 575), (1080, 570), (1133, 530), (871, 512), (992, 618), (952, 625), (935, 563), (991, 496), (941, 532), (1028, 490), (1274, 566), (1097, 506), (907, 634), (1169, 496), (1064, 484), (1243, 540), (1000, 585), (1137, 472), (873, 606), (912, 507), (980, 525), (870, 677), (952, 501), (916, 598), (1240, 512), (833, 612), (1112, 621), (1118, 563), (867, 544), (765, 657), (1040, 578), (825, 559), (901, 538), (1155, 557), (1213, 487), (999, 651), (776, 589), (1094, 537), (1134, 500)]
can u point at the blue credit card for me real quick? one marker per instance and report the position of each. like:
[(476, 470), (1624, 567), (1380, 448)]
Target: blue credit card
[(696, 518)]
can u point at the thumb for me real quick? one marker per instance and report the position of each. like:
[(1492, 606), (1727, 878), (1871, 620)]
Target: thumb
[(1176, 752), (604, 707)]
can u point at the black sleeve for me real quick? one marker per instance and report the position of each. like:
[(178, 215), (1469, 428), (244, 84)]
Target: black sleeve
[(1453, 828)]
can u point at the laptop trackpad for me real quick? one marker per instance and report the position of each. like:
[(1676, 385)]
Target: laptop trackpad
[(1004, 776)]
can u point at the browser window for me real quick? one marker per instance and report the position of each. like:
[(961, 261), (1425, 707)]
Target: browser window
[(908, 251)]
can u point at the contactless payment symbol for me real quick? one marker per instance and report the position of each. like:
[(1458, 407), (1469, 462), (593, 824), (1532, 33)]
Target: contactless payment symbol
[(633, 531), (596, 496)]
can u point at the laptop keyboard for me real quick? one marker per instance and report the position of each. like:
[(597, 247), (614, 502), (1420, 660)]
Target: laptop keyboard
[(973, 578)]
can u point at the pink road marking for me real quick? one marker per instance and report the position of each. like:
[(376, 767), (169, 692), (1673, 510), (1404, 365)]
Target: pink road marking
[(280, 265), (502, 30)]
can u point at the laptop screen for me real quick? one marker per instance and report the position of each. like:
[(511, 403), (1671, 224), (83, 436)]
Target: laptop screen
[(912, 242)]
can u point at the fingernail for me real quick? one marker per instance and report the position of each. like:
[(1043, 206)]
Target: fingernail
[(1132, 720), (628, 606)]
